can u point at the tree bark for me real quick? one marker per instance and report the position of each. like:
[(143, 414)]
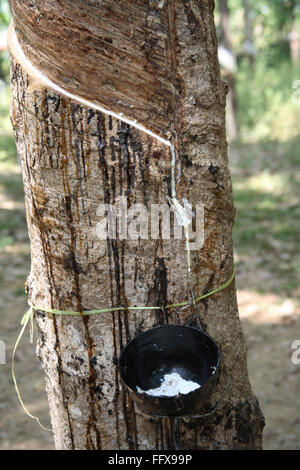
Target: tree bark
[(75, 158)]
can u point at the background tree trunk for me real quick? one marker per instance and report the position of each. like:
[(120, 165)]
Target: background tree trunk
[(294, 37), (249, 50), (229, 75), (73, 159)]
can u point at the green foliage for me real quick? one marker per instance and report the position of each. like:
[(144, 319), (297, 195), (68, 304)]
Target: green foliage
[(4, 14), (4, 60), (7, 142), (264, 89), (265, 106)]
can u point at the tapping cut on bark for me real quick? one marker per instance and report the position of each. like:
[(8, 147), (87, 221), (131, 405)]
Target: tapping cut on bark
[(157, 63)]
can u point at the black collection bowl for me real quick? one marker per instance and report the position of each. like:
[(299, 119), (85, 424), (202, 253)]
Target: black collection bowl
[(190, 352)]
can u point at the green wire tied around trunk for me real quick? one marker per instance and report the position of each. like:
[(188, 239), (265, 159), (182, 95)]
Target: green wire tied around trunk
[(28, 318)]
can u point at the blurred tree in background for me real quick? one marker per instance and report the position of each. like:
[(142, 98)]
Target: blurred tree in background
[(265, 32)]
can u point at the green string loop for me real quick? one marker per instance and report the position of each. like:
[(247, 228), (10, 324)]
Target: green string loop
[(28, 318), (118, 309)]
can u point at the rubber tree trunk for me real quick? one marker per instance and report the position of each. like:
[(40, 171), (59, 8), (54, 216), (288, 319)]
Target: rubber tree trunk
[(157, 63)]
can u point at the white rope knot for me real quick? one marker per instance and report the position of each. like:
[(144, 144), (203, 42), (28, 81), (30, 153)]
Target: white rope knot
[(183, 213), (184, 216)]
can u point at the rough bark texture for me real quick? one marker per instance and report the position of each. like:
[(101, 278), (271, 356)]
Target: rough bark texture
[(75, 158), (103, 50)]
